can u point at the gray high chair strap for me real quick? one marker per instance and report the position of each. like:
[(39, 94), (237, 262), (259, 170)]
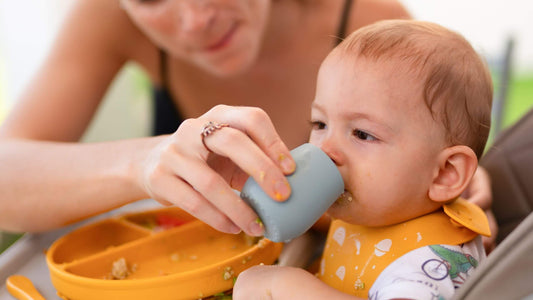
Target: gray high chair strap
[(509, 162), (507, 273)]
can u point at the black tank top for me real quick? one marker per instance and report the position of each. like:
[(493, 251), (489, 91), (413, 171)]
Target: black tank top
[(167, 116)]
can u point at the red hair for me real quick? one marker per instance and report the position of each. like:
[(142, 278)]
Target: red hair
[(457, 85)]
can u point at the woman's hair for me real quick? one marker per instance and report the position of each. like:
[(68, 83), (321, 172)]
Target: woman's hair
[(457, 86)]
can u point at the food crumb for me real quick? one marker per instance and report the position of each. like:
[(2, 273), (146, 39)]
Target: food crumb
[(344, 198), (246, 259), (175, 256), (120, 269), (262, 243), (228, 273)]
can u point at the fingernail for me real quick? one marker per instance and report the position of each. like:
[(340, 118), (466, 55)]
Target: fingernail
[(256, 228), (282, 190), (287, 165), (234, 229)]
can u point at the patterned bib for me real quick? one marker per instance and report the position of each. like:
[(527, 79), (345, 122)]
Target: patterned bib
[(355, 255)]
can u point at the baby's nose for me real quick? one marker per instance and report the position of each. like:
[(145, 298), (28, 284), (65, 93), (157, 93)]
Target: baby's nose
[(332, 150)]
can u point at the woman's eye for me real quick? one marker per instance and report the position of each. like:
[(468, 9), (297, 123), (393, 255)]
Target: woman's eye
[(363, 135), (317, 125)]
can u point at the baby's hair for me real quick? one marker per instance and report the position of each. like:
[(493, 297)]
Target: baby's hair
[(457, 86)]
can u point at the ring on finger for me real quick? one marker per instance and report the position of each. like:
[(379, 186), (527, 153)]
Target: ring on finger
[(209, 128)]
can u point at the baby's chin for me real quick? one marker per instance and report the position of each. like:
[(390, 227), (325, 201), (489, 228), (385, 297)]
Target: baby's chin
[(346, 209)]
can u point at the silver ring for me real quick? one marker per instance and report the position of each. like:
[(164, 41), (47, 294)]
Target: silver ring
[(209, 128)]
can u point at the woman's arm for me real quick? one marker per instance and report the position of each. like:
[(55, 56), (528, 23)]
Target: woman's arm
[(46, 185)]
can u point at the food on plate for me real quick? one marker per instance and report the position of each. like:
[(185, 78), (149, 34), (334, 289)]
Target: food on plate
[(120, 269)]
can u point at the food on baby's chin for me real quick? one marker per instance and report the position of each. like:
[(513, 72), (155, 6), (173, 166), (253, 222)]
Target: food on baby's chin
[(120, 269), (344, 198)]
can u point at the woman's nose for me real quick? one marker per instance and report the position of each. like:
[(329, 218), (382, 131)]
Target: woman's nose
[(195, 16)]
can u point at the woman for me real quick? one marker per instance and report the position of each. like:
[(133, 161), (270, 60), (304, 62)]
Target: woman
[(261, 53)]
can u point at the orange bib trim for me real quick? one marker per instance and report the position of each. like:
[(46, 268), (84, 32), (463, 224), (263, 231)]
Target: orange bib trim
[(355, 255)]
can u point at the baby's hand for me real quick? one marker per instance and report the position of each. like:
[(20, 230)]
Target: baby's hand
[(256, 282), (276, 282)]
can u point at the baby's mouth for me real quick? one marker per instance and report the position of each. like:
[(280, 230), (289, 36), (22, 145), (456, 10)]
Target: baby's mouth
[(345, 198)]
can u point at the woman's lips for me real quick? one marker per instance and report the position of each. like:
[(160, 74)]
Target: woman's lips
[(224, 40)]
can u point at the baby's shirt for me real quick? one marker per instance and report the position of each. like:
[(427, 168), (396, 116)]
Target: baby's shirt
[(354, 255), (430, 272)]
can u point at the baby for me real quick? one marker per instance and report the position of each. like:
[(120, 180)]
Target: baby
[(403, 108)]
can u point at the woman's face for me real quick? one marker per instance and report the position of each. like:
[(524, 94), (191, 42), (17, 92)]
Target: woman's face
[(222, 37)]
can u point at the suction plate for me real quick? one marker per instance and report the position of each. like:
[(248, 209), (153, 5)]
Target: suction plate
[(160, 254)]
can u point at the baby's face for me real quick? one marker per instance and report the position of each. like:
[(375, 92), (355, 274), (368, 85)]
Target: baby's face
[(372, 121), (221, 36)]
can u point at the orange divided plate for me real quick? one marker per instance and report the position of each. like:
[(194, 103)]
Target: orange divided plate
[(164, 254)]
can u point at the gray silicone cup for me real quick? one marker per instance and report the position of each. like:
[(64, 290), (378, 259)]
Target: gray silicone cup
[(315, 184)]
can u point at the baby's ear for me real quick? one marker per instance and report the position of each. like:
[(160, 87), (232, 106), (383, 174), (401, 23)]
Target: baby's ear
[(456, 166)]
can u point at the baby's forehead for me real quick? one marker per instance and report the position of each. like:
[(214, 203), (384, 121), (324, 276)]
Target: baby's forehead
[(390, 71), (398, 63), (394, 79), (402, 85)]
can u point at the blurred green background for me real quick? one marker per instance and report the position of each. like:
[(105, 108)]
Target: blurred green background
[(520, 98)]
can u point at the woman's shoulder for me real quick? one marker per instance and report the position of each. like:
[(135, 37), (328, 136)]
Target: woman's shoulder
[(366, 12)]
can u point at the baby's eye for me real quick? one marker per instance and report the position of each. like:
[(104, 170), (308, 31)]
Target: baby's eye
[(363, 135), (317, 125)]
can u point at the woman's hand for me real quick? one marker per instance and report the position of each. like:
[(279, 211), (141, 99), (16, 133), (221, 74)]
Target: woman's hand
[(479, 192), (199, 178)]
